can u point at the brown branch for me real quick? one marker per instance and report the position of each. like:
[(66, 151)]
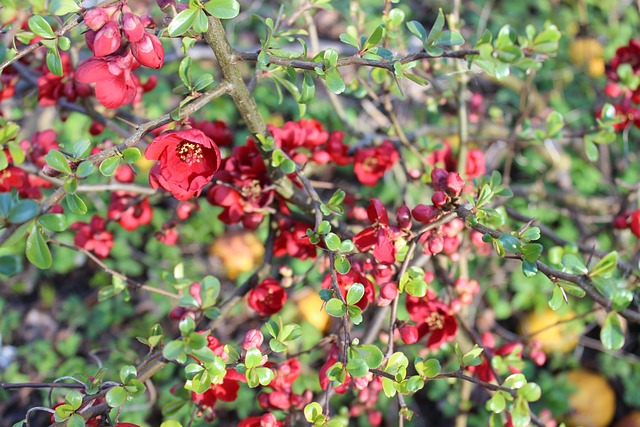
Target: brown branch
[(582, 280)]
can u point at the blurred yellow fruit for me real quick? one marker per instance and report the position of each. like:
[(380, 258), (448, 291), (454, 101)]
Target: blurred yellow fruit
[(239, 252), (593, 403), (632, 419), (563, 337), (309, 306), (587, 53)]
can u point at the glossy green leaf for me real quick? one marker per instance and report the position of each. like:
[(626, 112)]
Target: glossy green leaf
[(37, 251), (313, 413), (531, 392), (23, 211), (108, 166), (53, 222), (76, 420), (116, 396), (223, 9), (449, 38), (557, 298), (253, 358), (611, 334), (332, 241), (54, 63), (75, 204), (605, 266), (40, 27), (334, 81), (357, 368), (10, 265), (58, 161), (355, 293), (417, 30), (342, 264), (200, 23), (85, 169), (335, 308), (510, 243), (181, 23)]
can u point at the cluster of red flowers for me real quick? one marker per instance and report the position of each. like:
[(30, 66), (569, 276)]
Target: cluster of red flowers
[(93, 236), (267, 298), (52, 87), (120, 44), (282, 396), (626, 96)]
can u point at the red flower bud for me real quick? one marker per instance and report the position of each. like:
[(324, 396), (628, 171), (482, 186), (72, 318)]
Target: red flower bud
[(409, 333), (403, 217), (425, 214), (132, 26), (252, 339), (96, 18), (634, 223), (440, 198), (455, 184), (435, 243), (107, 40), (148, 51), (621, 222)]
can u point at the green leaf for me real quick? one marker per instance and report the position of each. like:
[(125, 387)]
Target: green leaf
[(200, 23), (54, 63), (335, 308), (555, 124), (202, 82), (342, 264), (4, 161), (611, 334), (173, 349), (182, 22), (332, 241), (75, 420), (23, 211), (313, 412), (75, 204), (357, 368), (450, 38), (515, 381), (308, 91), (334, 81), (571, 264), (116, 396), (127, 373), (17, 153), (436, 29), (74, 398), (108, 166), (223, 9), (428, 368), (64, 43), (265, 375), (531, 392), (371, 354), (531, 251), (510, 243), (85, 169), (330, 58), (621, 299), (346, 246), (557, 298), (62, 7), (40, 27), (81, 148), (37, 251), (472, 357), (416, 288), (497, 403), (350, 40), (10, 265), (605, 266), (355, 293), (374, 38), (520, 416), (591, 150), (131, 154), (58, 161), (417, 30), (253, 358)]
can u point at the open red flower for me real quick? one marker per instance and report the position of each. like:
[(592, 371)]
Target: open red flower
[(113, 75), (93, 236), (266, 420), (372, 163), (433, 318), (187, 160), (267, 298), (129, 213), (379, 236)]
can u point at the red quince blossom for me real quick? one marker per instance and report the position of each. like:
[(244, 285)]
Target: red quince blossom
[(302, 139), (371, 163), (148, 51), (345, 281), (187, 161), (107, 40), (93, 236), (113, 75), (292, 240), (433, 318), (379, 236), (168, 236), (267, 298), (266, 420), (244, 196), (227, 391), (634, 223), (338, 151), (11, 178), (133, 27), (252, 339), (629, 54), (282, 397), (129, 212), (52, 87), (39, 146)]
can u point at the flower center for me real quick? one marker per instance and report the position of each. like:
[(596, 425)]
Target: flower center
[(435, 320), (370, 163), (189, 152), (252, 190)]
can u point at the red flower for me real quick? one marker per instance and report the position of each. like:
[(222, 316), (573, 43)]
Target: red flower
[(372, 163), (292, 240), (267, 298), (338, 150), (218, 131), (129, 213), (187, 160), (298, 139), (133, 27), (148, 51), (93, 236), (634, 223), (379, 236), (266, 420), (433, 317), (107, 39), (113, 75)]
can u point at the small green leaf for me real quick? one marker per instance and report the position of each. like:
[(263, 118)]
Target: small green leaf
[(17, 153), (200, 23), (606, 265), (510, 243), (355, 293), (75, 420), (75, 204), (81, 148), (531, 392), (62, 7), (313, 412), (334, 81), (58, 161), (4, 161), (85, 169), (611, 334), (223, 9), (40, 27), (335, 308), (417, 30), (557, 298), (116, 396), (64, 43), (23, 211), (253, 358), (332, 241), (449, 38), (374, 38), (108, 166), (520, 416), (428, 368), (357, 368), (342, 264), (181, 23), (173, 349), (54, 63), (350, 40), (37, 251), (131, 154), (127, 373), (436, 29), (497, 403), (74, 398), (10, 265)]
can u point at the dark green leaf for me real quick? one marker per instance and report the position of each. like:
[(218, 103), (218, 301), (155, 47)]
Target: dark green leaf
[(436, 29), (611, 334), (510, 243), (374, 38), (606, 265), (37, 251), (450, 38), (417, 30), (76, 420), (10, 265), (342, 264), (81, 148), (53, 222), (23, 211), (58, 161), (355, 293), (75, 204), (357, 368), (85, 169)]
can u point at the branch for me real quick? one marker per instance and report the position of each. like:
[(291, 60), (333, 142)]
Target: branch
[(582, 280)]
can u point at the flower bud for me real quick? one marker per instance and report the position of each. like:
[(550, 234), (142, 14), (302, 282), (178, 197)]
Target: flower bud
[(96, 18), (409, 333), (252, 339), (132, 26), (403, 217), (455, 184), (148, 51), (425, 214), (107, 40), (440, 198)]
